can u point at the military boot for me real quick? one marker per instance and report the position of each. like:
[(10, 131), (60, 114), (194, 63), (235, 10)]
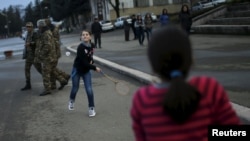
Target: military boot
[(45, 93), (27, 86)]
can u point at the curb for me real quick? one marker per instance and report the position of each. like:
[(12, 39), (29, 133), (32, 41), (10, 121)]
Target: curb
[(242, 111)]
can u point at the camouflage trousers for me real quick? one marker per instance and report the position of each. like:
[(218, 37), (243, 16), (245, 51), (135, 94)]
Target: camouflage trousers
[(58, 75), (49, 70), (27, 68)]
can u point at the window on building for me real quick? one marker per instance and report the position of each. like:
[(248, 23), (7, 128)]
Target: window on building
[(160, 2), (141, 3)]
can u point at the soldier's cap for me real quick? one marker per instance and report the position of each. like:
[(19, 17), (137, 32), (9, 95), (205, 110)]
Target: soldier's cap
[(29, 24), (41, 23)]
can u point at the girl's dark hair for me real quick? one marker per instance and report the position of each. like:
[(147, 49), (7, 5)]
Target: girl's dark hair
[(164, 11), (150, 17), (182, 9), (169, 50)]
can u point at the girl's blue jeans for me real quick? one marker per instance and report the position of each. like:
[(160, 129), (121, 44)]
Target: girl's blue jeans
[(87, 83)]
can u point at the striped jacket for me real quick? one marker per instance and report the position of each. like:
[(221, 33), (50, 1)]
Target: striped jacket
[(150, 123)]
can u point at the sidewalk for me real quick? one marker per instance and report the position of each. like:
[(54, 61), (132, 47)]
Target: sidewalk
[(130, 59)]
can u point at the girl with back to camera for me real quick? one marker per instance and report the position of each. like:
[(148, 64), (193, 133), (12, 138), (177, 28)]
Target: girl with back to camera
[(175, 108), (83, 63)]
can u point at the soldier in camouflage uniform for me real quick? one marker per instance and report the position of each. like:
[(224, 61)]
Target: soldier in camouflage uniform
[(29, 54), (55, 32), (46, 54)]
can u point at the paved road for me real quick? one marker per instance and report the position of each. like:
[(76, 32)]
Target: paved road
[(25, 116)]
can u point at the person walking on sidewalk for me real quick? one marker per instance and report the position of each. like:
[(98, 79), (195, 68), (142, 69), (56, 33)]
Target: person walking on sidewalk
[(176, 108), (133, 26), (185, 18), (139, 25), (126, 29), (96, 30), (164, 18), (148, 25), (29, 54), (83, 63)]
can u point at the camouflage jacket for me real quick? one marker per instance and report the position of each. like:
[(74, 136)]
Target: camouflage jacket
[(45, 51), (56, 35), (30, 50)]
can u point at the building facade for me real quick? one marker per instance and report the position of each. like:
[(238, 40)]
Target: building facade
[(104, 11), (100, 9)]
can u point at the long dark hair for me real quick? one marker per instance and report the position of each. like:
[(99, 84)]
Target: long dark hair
[(170, 56), (164, 11), (182, 9), (146, 16)]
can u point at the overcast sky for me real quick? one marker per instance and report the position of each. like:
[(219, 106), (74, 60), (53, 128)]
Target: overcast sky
[(7, 3)]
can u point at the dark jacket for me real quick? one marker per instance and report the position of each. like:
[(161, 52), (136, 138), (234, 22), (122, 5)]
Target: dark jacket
[(84, 58), (133, 22), (126, 25), (185, 20), (96, 28)]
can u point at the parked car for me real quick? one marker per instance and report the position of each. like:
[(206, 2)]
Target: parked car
[(106, 25), (197, 6), (202, 5), (207, 4), (119, 21)]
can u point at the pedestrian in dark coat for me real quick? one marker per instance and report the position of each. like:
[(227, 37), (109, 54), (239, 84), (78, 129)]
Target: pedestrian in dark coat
[(139, 25), (126, 29), (133, 27), (185, 18), (96, 30)]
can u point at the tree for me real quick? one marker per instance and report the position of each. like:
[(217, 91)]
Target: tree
[(116, 7), (29, 17), (64, 9), (10, 21), (60, 9), (17, 20)]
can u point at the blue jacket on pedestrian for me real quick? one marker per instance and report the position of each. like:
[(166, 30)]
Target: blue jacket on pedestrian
[(164, 19)]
